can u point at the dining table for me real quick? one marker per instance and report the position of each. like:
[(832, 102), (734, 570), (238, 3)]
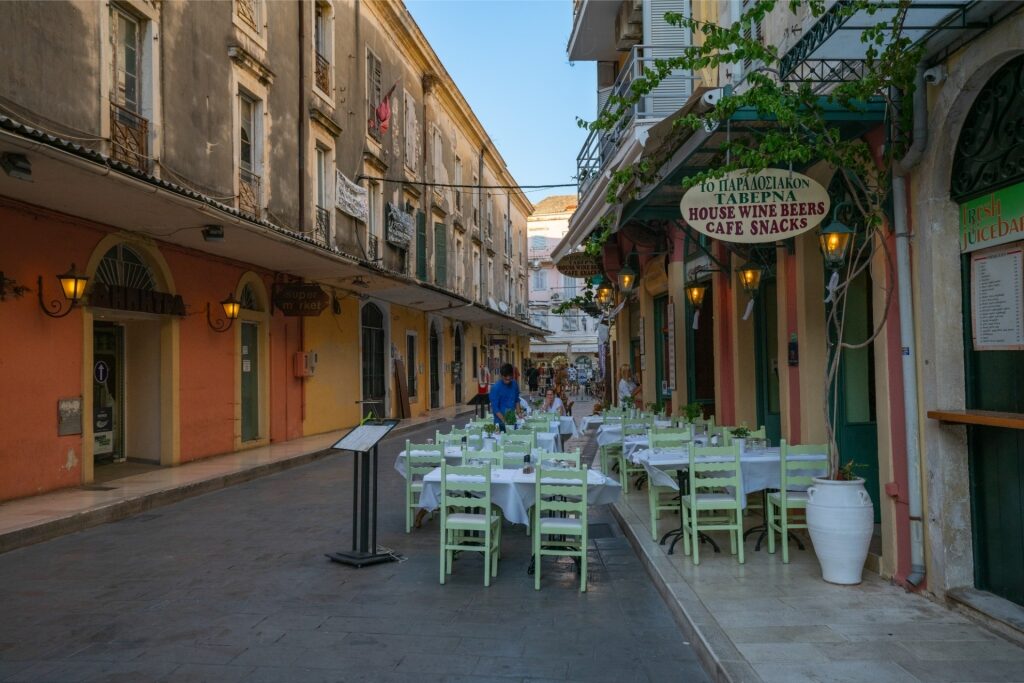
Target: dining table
[(514, 491)]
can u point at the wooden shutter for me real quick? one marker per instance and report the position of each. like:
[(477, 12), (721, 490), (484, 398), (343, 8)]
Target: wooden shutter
[(674, 90), (440, 254), (373, 91), (421, 245), (753, 31)]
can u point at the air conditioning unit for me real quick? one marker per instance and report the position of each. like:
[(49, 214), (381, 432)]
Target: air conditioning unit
[(555, 296), (305, 363), (629, 27), (535, 264)]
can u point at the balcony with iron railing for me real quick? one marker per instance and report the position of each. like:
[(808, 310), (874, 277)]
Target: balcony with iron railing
[(249, 193), (671, 94), (322, 233), (129, 137), (323, 73)]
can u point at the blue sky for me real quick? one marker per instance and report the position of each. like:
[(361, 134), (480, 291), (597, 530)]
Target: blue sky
[(508, 59)]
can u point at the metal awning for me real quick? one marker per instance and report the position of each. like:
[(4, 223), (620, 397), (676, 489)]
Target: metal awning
[(691, 152), (832, 48)]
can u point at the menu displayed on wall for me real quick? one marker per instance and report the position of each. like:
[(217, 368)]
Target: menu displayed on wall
[(997, 299)]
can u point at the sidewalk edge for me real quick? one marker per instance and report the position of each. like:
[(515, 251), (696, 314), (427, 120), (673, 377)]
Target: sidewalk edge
[(716, 652), (79, 521)]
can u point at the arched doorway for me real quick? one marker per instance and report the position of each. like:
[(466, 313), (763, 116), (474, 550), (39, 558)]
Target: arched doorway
[(987, 182), (130, 359), (253, 365), (457, 366), (374, 370), (435, 367)]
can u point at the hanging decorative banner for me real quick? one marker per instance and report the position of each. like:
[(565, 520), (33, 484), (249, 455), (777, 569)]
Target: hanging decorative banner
[(768, 206), (351, 198), (398, 228)]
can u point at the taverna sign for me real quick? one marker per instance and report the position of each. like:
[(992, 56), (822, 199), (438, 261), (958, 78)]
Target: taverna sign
[(768, 206)]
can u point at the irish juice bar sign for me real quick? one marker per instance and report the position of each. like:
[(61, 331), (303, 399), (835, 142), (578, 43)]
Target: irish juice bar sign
[(771, 205), (992, 219)]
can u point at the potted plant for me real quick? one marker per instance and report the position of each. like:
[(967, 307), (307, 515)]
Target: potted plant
[(692, 411), (840, 520), (510, 418), (489, 429), (739, 436)]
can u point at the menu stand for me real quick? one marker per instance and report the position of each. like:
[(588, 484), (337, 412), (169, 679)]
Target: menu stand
[(362, 442)]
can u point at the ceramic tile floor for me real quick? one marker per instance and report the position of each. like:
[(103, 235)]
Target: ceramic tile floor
[(773, 622)]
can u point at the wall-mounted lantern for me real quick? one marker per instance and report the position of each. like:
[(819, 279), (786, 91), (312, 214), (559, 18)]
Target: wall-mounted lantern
[(835, 240), (231, 307), (750, 277), (72, 284)]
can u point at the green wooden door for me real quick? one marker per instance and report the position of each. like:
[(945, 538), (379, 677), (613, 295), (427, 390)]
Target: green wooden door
[(700, 353), (664, 392), (250, 382), (855, 418), (441, 255), (995, 381), (766, 357), (421, 245)]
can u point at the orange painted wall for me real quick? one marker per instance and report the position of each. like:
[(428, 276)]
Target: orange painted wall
[(40, 357)]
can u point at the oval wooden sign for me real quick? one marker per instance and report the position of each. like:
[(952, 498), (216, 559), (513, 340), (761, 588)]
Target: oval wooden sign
[(768, 206), (578, 264)]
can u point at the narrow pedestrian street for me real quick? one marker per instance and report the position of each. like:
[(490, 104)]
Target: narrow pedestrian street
[(234, 586)]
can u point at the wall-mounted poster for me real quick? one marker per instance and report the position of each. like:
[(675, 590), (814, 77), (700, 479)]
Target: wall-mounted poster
[(997, 299)]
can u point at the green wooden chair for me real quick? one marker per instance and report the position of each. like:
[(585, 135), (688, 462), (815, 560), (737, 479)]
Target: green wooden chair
[(632, 427), (474, 437), (465, 509), (706, 507), (661, 498), (493, 458), (452, 438), (420, 460), (609, 453), (560, 519), (519, 436), (538, 424), (782, 503)]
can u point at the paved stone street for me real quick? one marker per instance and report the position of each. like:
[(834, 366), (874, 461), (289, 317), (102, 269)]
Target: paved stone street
[(234, 586)]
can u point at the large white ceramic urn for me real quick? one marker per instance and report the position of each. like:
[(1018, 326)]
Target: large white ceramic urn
[(840, 519)]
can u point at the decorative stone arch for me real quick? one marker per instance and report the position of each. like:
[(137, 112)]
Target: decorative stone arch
[(169, 345), (938, 297), (251, 291)]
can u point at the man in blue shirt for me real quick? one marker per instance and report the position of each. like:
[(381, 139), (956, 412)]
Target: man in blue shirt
[(504, 395)]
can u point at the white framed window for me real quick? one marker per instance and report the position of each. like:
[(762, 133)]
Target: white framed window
[(250, 154), (437, 150), (374, 93), (375, 220), (458, 183), (323, 48), (570, 286), (411, 133), (476, 200), (476, 273), (132, 71), (540, 281), (460, 266), (251, 17), (491, 285)]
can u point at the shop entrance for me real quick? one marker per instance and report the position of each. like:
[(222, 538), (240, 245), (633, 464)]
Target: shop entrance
[(766, 357), (108, 393), (700, 353), (250, 381), (374, 375), (985, 179), (662, 356), (457, 366), (435, 368)]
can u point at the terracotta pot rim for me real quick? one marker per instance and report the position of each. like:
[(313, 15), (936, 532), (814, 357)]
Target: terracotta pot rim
[(839, 482)]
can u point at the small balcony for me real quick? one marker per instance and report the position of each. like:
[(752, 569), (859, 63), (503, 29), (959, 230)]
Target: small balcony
[(129, 137), (323, 74), (671, 94), (322, 232), (249, 193)]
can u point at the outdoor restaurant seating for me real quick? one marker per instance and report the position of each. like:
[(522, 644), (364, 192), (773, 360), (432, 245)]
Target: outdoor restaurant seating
[(455, 437), (468, 522), (481, 455), (519, 436), (662, 496), (560, 519), (420, 459), (706, 507), (794, 478), (632, 427)]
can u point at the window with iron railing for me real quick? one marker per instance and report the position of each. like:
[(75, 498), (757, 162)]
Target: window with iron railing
[(250, 150), (323, 225), (373, 248), (129, 129), (322, 47)]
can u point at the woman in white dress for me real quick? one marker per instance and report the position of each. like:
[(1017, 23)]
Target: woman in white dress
[(627, 387)]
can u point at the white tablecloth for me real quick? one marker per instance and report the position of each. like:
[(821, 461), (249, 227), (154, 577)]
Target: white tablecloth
[(759, 469), (591, 421), (514, 492), (453, 455)]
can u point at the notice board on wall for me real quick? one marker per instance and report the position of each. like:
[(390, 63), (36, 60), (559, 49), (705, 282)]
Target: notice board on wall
[(997, 299)]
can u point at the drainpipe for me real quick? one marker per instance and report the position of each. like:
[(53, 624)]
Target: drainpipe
[(301, 121), (910, 406)]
